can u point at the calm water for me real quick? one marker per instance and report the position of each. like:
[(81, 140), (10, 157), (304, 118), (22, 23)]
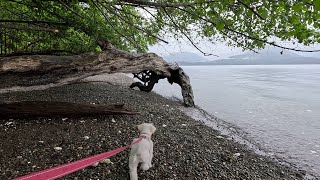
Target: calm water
[(278, 106)]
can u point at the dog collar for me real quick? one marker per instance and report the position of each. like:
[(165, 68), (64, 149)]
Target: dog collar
[(144, 135)]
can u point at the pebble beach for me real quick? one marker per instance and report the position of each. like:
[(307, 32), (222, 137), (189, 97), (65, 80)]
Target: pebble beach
[(184, 148)]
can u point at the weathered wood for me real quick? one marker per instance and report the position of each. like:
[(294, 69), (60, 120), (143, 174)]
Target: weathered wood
[(34, 70), (149, 78), (50, 108), (109, 61), (180, 77)]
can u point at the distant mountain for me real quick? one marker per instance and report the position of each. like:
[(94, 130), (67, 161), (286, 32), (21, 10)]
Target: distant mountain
[(266, 54), (264, 57), (185, 58), (315, 54)]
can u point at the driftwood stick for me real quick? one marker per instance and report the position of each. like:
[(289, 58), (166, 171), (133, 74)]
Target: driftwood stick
[(51, 108)]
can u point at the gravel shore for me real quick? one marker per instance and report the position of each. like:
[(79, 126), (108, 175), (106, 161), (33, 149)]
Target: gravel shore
[(183, 148)]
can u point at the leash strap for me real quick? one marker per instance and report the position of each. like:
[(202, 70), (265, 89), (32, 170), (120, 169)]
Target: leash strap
[(62, 170)]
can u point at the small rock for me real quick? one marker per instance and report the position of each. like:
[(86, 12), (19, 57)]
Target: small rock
[(82, 121), (119, 131), (236, 155), (106, 161), (8, 123), (183, 125), (19, 157), (63, 119), (80, 148), (57, 148), (220, 137), (313, 152), (34, 166), (95, 164), (41, 141), (112, 120), (86, 137), (163, 125)]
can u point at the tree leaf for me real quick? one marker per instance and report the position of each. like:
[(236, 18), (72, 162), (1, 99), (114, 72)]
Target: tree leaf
[(220, 26)]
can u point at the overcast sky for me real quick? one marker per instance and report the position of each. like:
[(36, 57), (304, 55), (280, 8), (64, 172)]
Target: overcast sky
[(219, 49)]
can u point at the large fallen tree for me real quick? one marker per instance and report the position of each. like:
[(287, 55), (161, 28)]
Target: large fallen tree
[(43, 71)]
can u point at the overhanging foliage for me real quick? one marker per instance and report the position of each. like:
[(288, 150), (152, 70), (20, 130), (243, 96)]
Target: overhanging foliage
[(134, 24)]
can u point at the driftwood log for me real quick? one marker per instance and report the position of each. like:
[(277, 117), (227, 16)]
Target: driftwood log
[(43, 108), (31, 72)]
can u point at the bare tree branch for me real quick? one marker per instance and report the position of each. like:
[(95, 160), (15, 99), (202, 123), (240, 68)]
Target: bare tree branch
[(18, 2), (248, 36), (69, 21), (130, 23), (133, 35), (32, 22), (238, 43), (163, 5), (6, 26), (111, 24), (66, 6), (190, 40), (252, 10)]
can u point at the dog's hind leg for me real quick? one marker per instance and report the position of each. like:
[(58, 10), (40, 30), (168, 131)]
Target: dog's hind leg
[(145, 160), (133, 165), (151, 154)]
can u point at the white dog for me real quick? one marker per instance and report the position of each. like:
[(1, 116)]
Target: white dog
[(143, 151)]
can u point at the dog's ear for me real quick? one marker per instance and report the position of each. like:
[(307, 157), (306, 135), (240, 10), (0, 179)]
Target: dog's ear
[(140, 127), (152, 129)]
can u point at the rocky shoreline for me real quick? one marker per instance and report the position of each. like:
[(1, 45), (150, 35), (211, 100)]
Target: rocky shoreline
[(184, 148)]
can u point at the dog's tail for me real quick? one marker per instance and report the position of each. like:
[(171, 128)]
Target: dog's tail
[(133, 166)]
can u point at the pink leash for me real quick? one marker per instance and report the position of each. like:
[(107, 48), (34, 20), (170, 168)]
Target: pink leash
[(62, 170)]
